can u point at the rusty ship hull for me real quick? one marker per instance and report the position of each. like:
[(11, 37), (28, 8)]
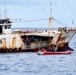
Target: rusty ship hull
[(33, 41)]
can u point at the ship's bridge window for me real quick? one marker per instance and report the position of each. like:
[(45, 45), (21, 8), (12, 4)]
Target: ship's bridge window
[(7, 26)]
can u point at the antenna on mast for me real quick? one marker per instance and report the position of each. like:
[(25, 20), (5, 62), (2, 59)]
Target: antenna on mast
[(50, 21), (50, 11), (5, 11)]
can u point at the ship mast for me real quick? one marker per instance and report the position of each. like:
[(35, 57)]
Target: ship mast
[(50, 21), (0, 12)]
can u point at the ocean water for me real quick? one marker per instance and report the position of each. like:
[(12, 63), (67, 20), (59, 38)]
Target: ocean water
[(26, 63)]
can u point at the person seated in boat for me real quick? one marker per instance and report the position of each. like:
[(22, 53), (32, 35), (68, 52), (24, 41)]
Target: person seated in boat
[(43, 49), (54, 48)]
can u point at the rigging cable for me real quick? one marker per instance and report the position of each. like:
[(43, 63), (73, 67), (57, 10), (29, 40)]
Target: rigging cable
[(59, 22), (32, 20), (41, 20)]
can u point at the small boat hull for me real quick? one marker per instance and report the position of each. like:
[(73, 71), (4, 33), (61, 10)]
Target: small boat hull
[(51, 53)]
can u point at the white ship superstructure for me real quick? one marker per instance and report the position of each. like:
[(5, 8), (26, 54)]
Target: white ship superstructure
[(32, 41)]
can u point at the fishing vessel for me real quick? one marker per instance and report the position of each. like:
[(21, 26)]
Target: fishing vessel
[(19, 41)]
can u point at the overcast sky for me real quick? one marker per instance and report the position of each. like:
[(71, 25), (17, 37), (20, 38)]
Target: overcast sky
[(64, 11)]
